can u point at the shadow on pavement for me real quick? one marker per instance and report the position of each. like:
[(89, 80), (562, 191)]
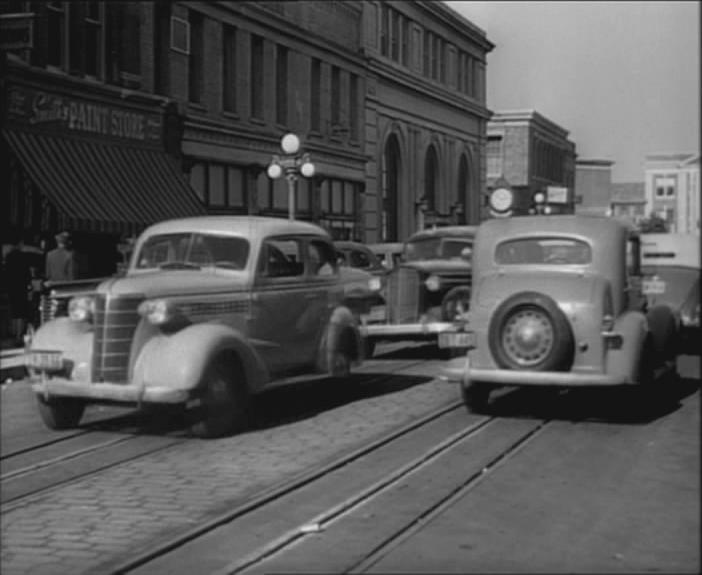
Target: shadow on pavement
[(624, 405)]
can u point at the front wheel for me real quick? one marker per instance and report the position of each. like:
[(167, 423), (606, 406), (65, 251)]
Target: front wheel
[(225, 403), (60, 412)]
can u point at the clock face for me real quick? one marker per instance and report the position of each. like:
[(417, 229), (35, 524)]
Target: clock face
[(501, 199)]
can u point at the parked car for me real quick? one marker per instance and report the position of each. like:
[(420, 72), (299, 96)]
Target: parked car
[(389, 254), (356, 256), (557, 301), (429, 288), (671, 268), (210, 311)]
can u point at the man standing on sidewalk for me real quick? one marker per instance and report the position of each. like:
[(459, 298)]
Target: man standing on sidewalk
[(60, 262)]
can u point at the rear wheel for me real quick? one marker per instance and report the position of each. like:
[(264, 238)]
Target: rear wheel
[(225, 404), (529, 332), (60, 412)]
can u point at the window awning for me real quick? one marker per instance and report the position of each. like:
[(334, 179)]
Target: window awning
[(115, 186)]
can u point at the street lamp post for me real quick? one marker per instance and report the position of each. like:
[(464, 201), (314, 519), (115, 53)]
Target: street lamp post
[(291, 165)]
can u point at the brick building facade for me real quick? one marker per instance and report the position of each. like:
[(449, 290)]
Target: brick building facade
[(388, 99), (528, 152)]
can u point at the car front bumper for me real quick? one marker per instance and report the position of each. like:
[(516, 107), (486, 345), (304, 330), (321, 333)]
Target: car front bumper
[(108, 392), (406, 330)]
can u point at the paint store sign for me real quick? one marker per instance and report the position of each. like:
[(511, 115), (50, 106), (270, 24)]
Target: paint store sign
[(54, 111)]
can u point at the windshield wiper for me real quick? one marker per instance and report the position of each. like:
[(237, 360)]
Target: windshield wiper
[(179, 266)]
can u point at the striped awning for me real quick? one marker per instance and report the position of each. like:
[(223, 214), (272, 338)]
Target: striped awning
[(115, 186)]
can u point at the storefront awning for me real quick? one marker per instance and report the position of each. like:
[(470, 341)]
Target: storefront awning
[(111, 185)]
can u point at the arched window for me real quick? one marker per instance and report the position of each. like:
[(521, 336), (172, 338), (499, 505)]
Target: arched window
[(390, 190)]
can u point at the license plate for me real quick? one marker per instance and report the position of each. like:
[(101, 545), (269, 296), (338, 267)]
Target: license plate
[(49, 360), (653, 286), (456, 339), (376, 314)]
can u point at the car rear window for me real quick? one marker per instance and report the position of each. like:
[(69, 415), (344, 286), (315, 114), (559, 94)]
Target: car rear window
[(543, 250), (438, 248)]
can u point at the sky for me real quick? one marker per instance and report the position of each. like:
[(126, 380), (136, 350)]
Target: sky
[(623, 78)]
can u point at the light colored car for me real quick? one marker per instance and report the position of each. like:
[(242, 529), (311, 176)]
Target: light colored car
[(210, 311), (671, 268), (429, 288), (557, 300)]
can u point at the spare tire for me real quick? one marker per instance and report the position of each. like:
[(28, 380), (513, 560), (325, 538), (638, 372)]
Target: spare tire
[(528, 331)]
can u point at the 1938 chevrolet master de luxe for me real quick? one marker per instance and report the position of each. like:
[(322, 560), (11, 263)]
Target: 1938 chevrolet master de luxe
[(557, 300), (210, 310)]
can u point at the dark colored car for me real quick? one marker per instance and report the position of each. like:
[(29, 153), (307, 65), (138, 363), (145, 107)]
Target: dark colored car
[(429, 288)]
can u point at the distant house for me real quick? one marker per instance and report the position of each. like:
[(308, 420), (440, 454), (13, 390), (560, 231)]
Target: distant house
[(628, 201), (672, 190)]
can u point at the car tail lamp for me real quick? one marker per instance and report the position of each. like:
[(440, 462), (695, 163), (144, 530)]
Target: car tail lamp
[(158, 311), (81, 308), (433, 283)]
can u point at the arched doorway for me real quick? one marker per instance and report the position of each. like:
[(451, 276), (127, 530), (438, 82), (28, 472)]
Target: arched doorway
[(462, 202), (390, 191), (431, 177)]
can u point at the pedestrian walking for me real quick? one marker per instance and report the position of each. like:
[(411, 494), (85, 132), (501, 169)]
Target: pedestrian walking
[(18, 279), (60, 262)]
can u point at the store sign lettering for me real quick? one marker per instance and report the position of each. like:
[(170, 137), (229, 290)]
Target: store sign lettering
[(40, 108)]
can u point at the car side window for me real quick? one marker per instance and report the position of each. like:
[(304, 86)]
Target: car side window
[(322, 258), (359, 259), (280, 258)]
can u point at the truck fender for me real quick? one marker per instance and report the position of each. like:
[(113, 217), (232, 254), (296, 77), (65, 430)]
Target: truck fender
[(179, 359), (631, 325), (341, 325)]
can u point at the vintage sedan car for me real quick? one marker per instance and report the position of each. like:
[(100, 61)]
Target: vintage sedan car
[(359, 256), (429, 288), (557, 301), (671, 269), (210, 311)]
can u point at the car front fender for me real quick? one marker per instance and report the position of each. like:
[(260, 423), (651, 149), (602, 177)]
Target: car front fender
[(74, 339), (179, 359)]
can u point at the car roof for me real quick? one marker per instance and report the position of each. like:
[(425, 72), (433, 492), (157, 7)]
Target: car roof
[(457, 231), (237, 225), (351, 245), (592, 227)]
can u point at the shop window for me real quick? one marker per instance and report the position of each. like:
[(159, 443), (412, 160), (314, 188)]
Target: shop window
[(198, 181), (257, 76), (196, 62), (349, 198), (229, 79), (236, 187), (337, 197), (280, 194), (216, 187), (324, 197), (303, 195)]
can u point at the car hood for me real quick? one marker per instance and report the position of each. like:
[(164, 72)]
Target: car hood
[(175, 282), (439, 267)]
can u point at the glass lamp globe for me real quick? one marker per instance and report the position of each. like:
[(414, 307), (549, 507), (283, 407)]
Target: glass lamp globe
[(274, 171), (290, 143), (307, 169)]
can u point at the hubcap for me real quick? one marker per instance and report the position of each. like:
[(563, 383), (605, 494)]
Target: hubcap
[(527, 337)]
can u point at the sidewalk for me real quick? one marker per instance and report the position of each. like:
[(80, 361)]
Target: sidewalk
[(12, 364)]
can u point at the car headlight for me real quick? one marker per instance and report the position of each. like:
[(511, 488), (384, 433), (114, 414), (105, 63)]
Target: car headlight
[(158, 311), (433, 283), (374, 284), (81, 308)]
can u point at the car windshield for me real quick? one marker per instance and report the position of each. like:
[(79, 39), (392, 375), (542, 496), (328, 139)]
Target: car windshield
[(545, 250), (440, 248), (187, 250)]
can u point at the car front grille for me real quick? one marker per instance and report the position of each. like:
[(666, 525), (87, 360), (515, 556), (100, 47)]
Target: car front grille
[(404, 294), (115, 320)]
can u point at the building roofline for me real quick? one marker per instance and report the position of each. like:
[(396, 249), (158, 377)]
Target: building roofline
[(528, 115)]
